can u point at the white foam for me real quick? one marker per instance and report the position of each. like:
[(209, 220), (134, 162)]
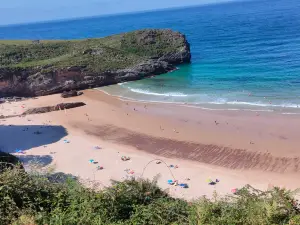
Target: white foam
[(105, 92), (249, 103), (121, 83), (290, 105), (220, 101), (284, 105), (291, 113), (227, 109), (205, 108), (169, 94)]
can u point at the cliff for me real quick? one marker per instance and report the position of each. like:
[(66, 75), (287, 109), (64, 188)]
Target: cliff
[(48, 67)]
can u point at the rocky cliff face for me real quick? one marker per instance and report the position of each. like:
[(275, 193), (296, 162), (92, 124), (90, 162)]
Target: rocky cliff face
[(54, 67)]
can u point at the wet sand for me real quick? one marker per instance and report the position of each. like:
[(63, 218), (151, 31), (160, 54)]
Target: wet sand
[(237, 147)]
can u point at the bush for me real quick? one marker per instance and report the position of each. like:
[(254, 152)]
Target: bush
[(122, 197), (295, 220), (45, 199), (163, 211), (21, 192), (59, 201), (248, 207), (8, 161)]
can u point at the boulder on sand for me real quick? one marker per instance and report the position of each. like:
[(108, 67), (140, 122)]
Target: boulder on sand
[(68, 94)]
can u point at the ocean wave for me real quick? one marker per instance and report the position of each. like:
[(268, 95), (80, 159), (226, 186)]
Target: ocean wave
[(122, 83), (289, 113), (223, 101), (284, 105), (168, 94), (197, 103), (200, 105), (249, 103), (219, 101)]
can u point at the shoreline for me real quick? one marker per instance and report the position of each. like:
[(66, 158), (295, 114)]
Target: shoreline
[(171, 109), (212, 106), (236, 147)]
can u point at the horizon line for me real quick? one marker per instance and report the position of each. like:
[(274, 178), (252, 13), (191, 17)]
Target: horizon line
[(122, 13)]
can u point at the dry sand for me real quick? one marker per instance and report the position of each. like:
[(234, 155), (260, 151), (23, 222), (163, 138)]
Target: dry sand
[(238, 148)]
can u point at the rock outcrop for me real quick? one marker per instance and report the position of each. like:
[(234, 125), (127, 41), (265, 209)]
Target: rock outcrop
[(57, 107), (47, 68), (68, 94)]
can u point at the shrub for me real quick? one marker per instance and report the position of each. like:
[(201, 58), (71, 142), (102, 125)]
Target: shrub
[(21, 192), (248, 207), (8, 161), (57, 199), (122, 197), (295, 220), (164, 211), (64, 201)]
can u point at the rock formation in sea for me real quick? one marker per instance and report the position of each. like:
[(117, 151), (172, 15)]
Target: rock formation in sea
[(50, 67)]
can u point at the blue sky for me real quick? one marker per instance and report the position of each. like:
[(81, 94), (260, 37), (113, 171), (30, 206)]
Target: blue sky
[(24, 11)]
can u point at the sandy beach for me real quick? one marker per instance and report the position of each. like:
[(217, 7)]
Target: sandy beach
[(235, 147)]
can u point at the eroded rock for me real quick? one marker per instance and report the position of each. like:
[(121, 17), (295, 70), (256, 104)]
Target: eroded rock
[(57, 107), (119, 58), (68, 94)]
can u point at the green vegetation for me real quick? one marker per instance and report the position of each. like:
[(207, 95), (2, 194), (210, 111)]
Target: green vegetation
[(8, 161), (96, 55), (92, 54), (150, 44), (42, 199)]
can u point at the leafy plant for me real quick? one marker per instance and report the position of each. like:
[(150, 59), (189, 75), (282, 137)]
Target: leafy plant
[(249, 206), (58, 199)]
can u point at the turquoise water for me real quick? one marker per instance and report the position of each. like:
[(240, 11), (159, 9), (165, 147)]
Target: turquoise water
[(245, 55)]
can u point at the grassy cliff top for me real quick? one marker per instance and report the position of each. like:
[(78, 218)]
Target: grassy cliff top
[(99, 54)]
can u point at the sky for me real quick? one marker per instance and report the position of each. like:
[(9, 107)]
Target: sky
[(27, 11)]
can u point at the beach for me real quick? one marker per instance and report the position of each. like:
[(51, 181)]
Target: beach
[(235, 147)]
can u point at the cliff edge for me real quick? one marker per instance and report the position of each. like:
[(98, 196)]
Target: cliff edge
[(35, 68)]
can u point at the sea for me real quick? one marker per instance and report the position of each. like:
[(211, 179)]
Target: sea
[(245, 54)]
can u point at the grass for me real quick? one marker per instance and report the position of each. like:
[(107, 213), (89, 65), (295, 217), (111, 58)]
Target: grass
[(97, 55), (37, 199)]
